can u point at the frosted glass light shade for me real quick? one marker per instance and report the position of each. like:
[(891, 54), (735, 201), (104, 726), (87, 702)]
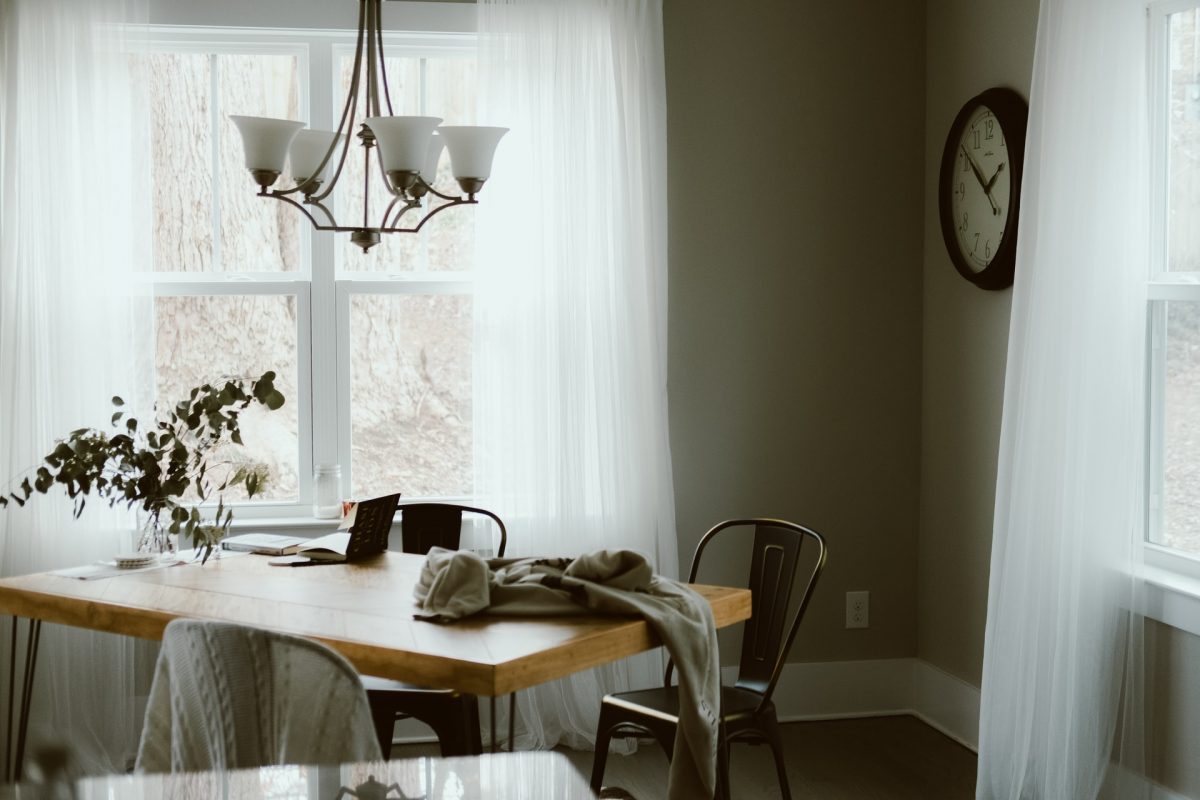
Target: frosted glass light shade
[(265, 141), (403, 141), (432, 156), (471, 149), (308, 148)]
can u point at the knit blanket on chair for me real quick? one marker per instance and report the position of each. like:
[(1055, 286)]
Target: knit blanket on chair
[(456, 584)]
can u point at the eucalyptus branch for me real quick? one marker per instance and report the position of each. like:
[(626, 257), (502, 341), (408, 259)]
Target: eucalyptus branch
[(152, 467)]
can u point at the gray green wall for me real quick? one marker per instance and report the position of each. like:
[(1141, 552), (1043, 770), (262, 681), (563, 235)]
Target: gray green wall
[(794, 197), (970, 46)]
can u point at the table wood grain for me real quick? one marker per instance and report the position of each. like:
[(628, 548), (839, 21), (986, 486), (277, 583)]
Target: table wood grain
[(363, 610)]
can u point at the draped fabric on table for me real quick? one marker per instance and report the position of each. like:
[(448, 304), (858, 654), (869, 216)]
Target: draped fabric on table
[(571, 400), (72, 224), (1062, 690)]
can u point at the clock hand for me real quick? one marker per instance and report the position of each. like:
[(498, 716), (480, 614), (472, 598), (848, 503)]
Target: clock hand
[(992, 182), (974, 167), (979, 177)]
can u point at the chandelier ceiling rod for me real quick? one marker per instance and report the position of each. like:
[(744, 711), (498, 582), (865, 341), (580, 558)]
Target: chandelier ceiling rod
[(407, 149)]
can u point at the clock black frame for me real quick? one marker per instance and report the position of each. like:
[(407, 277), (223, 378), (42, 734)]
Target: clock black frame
[(1012, 113)]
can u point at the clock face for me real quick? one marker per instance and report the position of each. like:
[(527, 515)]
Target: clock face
[(980, 190)]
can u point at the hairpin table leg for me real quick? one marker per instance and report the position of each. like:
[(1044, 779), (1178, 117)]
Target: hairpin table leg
[(13, 762), (512, 722)]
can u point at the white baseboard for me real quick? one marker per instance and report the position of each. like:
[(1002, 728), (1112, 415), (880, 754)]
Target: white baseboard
[(878, 688), (845, 689), (945, 702)]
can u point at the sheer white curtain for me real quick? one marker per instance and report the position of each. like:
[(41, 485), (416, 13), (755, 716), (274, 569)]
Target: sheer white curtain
[(1062, 648), (72, 224), (571, 400)]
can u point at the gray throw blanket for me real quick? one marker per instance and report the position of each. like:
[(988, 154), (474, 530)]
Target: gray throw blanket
[(456, 584)]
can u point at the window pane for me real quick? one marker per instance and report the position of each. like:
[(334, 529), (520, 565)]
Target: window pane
[(257, 234), (439, 87), (410, 395), (178, 88), (1183, 248), (1181, 428), (204, 339)]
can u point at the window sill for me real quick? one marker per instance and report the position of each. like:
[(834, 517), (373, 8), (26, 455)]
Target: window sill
[(1172, 588), (298, 526)]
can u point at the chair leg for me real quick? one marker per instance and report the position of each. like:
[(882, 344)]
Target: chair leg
[(770, 727), (458, 732), (383, 716), (600, 757), (455, 720)]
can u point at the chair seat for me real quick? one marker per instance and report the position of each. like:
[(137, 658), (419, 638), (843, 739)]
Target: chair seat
[(736, 703)]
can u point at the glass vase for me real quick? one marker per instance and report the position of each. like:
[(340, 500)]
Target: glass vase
[(152, 537)]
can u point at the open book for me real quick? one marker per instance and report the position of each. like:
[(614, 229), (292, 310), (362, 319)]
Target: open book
[(364, 532)]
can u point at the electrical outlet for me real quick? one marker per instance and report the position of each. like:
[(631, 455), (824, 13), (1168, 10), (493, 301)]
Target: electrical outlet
[(858, 609)]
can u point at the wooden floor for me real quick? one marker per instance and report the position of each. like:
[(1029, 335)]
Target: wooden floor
[(881, 758)]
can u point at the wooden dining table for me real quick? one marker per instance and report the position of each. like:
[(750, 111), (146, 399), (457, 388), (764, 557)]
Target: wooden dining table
[(364, 610)]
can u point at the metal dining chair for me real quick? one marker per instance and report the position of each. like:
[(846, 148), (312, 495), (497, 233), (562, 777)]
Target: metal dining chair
[(747, 713), (453, 716)]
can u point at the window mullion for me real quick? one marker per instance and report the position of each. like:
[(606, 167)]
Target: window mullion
[(214, 109), (327, 413)]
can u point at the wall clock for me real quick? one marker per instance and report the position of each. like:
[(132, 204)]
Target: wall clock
[(979, 188)]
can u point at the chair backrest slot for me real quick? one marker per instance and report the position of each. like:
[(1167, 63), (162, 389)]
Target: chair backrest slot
[(770, 580), (773, 562)]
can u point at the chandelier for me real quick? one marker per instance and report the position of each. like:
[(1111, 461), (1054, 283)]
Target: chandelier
[(408, 151)]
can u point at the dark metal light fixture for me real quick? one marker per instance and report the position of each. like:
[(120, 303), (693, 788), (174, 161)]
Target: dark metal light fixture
[(408, 150)]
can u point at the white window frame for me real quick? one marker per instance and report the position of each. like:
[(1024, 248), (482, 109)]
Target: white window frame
[(322, 289), (1172, 576)]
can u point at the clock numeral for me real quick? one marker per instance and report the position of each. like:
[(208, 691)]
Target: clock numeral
[(988, 128)]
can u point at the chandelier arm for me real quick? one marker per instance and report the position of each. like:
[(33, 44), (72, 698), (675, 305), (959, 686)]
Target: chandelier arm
[(328, 214), (387, 95), (387, 212), (372, 60), (333, 226), (432, 190), (409, 204), (349, 111), (430, 215)]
